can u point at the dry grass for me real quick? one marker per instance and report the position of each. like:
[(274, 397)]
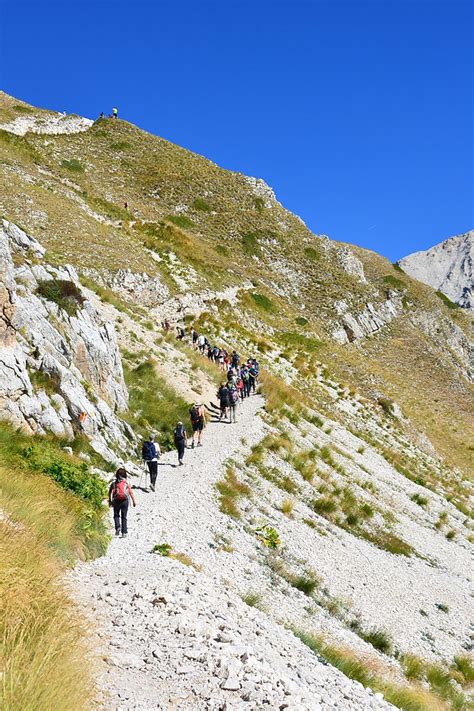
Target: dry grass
[(43, 660)]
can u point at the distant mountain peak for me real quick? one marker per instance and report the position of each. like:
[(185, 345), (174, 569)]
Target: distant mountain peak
[(447, 267)]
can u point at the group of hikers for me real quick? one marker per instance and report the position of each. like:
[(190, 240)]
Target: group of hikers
[(242, 379)]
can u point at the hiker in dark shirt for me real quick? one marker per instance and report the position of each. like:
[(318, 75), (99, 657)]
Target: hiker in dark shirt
[(120, 493)]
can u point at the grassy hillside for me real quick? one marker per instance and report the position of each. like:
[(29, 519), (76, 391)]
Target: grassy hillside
[(44, 527), (111, 194)]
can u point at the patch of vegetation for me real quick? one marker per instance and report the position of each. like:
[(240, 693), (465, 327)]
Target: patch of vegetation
[(181, 221), (22, 109), (120, 146), (287, 506), (74, 165), (301, 321), (312, 253), (64, 293), (299, 342), (306, 583), (379, 639), (268, 535), (42, 380), (44, 655), (259, 204), (202, 205), (447, 301), (394, 282), (420, 500), (231, 489), (250, 244), (252, 599), (153, 405), (263, 302), (386, 404), (220, 249), (163, 549), (409, 697)]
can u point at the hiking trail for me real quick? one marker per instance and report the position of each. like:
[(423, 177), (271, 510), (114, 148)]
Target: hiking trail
[(174, 635)]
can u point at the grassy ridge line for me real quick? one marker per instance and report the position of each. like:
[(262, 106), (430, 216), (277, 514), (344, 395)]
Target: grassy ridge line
[(42, 634)]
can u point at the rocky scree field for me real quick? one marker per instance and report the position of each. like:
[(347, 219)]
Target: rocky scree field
[(339, 507)]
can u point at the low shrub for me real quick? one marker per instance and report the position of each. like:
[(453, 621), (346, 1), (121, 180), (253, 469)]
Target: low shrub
[(252, 599), (394, 282), (231, 489), (420, 500), (269, 536), (181, 221), (263, 302), (379, 639), (324, 505), (64, 293), (287, 506), (301, 321), (202, 205), (74, 165), (163, 549), (250, 244), (307, 583)]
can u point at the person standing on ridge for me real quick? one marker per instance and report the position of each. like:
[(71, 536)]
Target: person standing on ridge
[(180, 437), (150, 455), (120, 493), (115, 112)]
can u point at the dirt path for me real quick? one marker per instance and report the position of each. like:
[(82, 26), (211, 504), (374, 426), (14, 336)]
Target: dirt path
[(175, 636)]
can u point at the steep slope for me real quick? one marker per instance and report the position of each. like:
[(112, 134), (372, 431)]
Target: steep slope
[(359, 456), (448, 267)]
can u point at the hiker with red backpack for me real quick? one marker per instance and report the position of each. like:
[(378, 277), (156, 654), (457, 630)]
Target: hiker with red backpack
[(120, 493)]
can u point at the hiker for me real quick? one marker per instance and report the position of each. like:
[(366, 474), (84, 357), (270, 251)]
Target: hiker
[(233, 400), (180, 438), (235, 359), (201, 341), (150, 454), (195, 337), (120, 493), (224, 399), (198, 422), (252, 377), (240, 388), (115, 112)]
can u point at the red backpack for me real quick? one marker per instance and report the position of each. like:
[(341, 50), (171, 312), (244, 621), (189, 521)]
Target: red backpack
[(120, 490)]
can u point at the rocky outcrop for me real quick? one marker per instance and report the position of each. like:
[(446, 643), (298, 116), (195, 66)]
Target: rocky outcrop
[(59, 372), (350, 327), (351, 264), (138, 287), (50, 124), (447, 267)]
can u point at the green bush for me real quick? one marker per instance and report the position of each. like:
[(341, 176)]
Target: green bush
[(250, 244), (312, 253), (379, 639), (259, 204), (73, 165), (269, 536), (307, 583), (63, 293), (263, 302), (202, 205), (324, 505), (163, 549), (301, 321)]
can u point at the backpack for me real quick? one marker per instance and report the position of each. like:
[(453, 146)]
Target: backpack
[(148, 451), (179, 433), (235, 395), (120, 490), (195, 415)]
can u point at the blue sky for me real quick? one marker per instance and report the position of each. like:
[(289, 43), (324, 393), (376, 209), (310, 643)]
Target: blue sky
[(358, 113)]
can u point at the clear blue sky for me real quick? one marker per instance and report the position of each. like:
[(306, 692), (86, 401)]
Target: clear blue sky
[(358, 113)]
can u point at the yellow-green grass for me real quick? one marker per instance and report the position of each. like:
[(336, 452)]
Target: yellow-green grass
[(44, 661)]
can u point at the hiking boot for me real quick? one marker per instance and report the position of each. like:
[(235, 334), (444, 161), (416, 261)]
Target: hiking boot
[(180, 462), (117, 533), (124, 535), (199, 444), (192, 445), (152, 487)]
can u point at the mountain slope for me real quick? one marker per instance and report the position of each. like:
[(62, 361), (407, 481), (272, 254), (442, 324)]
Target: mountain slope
[(448, 267), (361, 456)]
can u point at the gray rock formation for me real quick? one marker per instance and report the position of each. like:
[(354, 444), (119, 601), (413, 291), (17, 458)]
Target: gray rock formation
[(59, 373), (447, 267)]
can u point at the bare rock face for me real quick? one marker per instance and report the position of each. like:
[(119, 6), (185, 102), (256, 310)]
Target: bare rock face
[(350, 327), (447, 267), (59, 373)]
